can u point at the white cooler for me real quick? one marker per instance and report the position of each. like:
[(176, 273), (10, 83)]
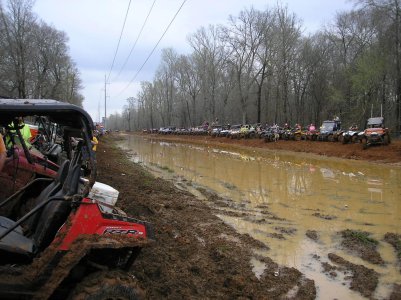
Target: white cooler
[(105, 194)]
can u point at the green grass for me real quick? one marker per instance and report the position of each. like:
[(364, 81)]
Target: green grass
[(165, 168), (360, 236)]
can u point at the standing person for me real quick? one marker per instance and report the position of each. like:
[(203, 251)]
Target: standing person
[(25, 133), (94, 141)]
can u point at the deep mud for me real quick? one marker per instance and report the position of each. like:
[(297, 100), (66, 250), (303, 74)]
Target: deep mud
[(363, 280), (362, 245), (396, 294), (195, 255), (395, 240), (390, 154), (312, 234)]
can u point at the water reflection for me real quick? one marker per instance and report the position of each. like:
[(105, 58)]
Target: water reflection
[(281, 196)]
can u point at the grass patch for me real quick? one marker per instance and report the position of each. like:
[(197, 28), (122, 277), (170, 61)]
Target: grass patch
[(229, 186), (360, 236), (165, 168)]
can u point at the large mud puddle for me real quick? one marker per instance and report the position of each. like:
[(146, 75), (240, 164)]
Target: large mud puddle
[(297, 205)]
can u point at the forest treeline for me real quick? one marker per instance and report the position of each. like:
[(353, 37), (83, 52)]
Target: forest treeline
[(34, 57), (261, 67)]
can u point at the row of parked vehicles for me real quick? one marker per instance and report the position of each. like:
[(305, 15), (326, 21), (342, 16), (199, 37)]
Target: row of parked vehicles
[(375, 132)]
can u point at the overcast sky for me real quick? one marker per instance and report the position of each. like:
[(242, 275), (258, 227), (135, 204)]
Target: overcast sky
[(94, 27)]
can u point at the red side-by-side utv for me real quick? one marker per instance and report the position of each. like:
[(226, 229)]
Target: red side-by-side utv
[(59, 237)]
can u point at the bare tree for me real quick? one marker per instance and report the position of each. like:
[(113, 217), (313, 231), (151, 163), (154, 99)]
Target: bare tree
[(243, 38)]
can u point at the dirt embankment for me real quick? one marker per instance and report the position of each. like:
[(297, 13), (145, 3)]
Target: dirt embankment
[(195, 255), (390, 154)]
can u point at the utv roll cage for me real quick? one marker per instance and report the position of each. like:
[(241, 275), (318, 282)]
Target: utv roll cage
[(76, 123), (74, 120)]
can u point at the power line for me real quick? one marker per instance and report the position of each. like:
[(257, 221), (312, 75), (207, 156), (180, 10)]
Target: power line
[(119, 40), (137, 38), (154, 48)]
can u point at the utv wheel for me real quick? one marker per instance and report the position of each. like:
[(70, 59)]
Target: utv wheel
[(297, 137), (354, 139), (330, 138), (342, 139), (107, 286)]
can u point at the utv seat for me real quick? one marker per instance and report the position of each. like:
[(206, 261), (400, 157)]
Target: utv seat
[(56, 212), (15, 247), (47, 192)]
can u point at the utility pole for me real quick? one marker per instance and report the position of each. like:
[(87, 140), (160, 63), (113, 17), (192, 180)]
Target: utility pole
[(105, 102), (99, 120)]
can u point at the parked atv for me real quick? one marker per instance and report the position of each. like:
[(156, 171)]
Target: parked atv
[(225, 130), (375, 133), (48, 139), (296, 133), (234, 132), (271, 134), (286, 134), (63, 237), (216, 130), (350, 136), (247, 131), (311, 133), (330, 131)]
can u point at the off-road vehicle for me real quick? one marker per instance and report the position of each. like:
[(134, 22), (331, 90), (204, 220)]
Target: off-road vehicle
[(349, 136), (215, 131), (63, 237), (330, 130), (375, 133), (234, 131), (225, 130), (247, 131), (311, 133)]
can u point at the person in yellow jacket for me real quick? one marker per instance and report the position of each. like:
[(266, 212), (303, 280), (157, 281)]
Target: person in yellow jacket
[(25, 132), (94, 141)]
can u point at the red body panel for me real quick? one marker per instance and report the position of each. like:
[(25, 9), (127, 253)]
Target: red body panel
[(25, 171), (21, 162), (371, 130), (34, 132), (89, 220)]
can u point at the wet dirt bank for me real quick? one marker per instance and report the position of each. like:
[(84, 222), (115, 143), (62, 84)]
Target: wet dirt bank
[(195, 255), (390, 154)]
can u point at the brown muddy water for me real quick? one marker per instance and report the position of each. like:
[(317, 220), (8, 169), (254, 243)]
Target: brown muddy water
[(303, 192)]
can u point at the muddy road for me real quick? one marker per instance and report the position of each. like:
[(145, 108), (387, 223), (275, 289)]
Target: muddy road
[(197, 255)]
